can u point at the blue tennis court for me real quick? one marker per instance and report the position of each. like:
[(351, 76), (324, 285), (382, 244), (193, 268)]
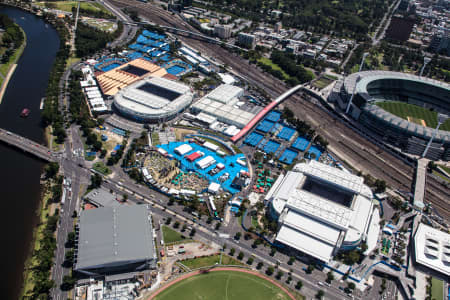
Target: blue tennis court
[(316, 151), (263, 143), (271, 146), (153, 35), (253, 139), (286, 133), (110, 67), (231, 167), (288, 156), (300, 143), (265, 126), (277, 127), (273, 116), (175, 70)]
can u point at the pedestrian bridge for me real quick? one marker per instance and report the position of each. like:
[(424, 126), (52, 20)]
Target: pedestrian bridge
[(27, 145)]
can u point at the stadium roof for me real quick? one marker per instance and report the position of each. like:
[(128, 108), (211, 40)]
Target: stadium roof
[(318, 217), (112, 236), (432, 248), (153, 98)]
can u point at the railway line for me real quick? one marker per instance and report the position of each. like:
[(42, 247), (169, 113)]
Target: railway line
[(374, 159)]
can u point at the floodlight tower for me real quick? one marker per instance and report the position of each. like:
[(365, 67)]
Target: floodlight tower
[(354, 88), (441, 119), (426, 60)]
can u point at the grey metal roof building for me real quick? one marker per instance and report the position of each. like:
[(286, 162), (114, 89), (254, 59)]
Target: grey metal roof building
[(115, 239)]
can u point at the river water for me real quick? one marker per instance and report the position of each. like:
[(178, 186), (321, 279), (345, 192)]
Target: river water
[(19, 176)]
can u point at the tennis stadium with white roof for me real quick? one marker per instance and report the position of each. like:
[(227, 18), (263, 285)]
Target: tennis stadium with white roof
[(153, 99), (321, 210)]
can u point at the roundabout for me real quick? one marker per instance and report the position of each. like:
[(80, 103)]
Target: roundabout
[(223, 283)]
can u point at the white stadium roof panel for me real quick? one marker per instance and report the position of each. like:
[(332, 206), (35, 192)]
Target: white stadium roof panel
[(305, 243)]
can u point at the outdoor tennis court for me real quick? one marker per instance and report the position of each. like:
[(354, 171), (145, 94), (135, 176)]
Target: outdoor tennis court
[(265, 126), (288, 156), (300, 144), (253, 139), (286, 133), (271, 146), (273, 116)]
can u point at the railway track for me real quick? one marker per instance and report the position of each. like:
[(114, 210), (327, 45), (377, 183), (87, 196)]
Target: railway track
[(374, 159)]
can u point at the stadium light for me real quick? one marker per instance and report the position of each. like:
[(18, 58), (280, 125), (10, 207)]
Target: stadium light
[(426, 60), (354, 88), (441, 119)]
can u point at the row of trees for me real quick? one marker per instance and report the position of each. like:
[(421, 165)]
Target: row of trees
[(51, 114), (288, 63)]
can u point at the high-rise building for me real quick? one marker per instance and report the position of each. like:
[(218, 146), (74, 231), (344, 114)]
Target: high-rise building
[(247, 40), (222, 31)]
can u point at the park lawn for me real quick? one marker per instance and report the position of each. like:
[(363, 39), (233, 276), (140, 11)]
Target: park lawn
[(100, 167), (267, 61), (207, 261), (322, 82), (171, 236), (445, 168), (228, 285), (71, 60), (437, 289), (405, 110), (15, 57), (68, 5)]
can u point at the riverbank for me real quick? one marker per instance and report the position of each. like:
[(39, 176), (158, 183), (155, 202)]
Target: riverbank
[(32, 269), (10, 67)]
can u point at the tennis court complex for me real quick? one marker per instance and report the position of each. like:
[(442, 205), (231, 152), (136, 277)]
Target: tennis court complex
[(288, 156), (253, 139), (286, 133)]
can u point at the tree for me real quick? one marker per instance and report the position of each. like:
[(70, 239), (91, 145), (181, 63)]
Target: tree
[(209, 220), (310, 268), (273, 251), (250, 260), (51, 169), (232, 251), (176, 224), (270, 271), (299, 285), (237, 236), (68, 283), (183, 229), (330, 277), (279, 275), (168, 220), (259, 265), (291, 260), (218, 225), (96, 181), (68, 258), (320, 294), (70, 243), (192, 233), (240, 255)]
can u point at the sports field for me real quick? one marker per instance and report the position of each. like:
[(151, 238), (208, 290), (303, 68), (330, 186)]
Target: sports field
[(414, 112), (223, 285)]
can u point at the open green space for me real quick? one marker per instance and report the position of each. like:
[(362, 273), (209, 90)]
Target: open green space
[(437, 289), (268, 62), (68, 5), (445, 168), (322, 82), (171, 236), (227, 285), (155, 138), (100, 167), (405, 110), (207, 261)]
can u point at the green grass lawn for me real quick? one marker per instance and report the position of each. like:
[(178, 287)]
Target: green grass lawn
[(100, 167), (207, 261), (171, 236), (445, 168), (274, 66), (404, 110), (155, 138), (68, 5), (226, 285), (437, 289), (322, 82)]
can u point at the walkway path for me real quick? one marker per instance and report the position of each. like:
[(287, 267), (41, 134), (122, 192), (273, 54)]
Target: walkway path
[(222, 269)]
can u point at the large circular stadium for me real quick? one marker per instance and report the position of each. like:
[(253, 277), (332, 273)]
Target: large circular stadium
[(153, 99), (401, 108)]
